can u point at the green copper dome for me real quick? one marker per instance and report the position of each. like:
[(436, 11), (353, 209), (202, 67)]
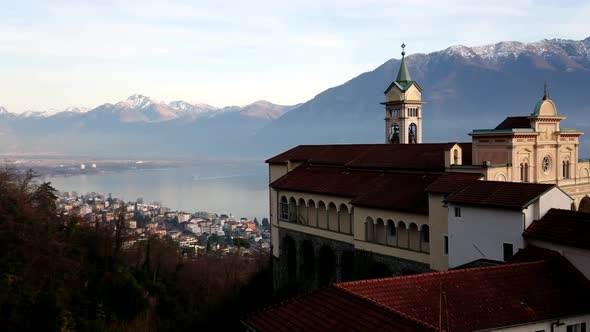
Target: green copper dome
[(404, 74)]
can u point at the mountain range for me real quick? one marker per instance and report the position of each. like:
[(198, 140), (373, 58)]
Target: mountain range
[(465, 88)]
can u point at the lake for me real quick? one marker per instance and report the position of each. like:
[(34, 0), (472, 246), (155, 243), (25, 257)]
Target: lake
[(239, 188)]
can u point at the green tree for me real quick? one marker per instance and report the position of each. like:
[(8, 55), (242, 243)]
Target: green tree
[(265, 224)]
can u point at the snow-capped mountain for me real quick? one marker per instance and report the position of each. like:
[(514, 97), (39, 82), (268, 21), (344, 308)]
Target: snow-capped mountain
[(514, 49), (183, 106), (465, 88), (140, 108)]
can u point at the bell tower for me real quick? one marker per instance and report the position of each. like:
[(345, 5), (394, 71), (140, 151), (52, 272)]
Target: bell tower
[(403, 108)]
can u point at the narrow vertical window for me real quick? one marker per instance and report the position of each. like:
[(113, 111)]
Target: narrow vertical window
[(446, 244), (508, 251), (457, 212)]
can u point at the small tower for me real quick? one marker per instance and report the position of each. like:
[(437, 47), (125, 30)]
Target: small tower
[(403, 108)]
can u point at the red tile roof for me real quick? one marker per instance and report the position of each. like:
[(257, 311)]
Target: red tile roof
[(330, 309), (513, 122), (449, 183), (512, 195), (472, 299), (376, 156), (387, 190), (565, 227), (481, 298)]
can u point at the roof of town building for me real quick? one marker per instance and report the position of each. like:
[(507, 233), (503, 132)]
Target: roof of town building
[(451, 182), (514, 122), (387, 190), (330, 309), (458, 300), (511, 195), (375, 156), (564, 227)]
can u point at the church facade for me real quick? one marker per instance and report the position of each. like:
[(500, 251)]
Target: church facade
[(335, 209)]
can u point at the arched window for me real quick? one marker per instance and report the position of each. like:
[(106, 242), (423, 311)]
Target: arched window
[(566, 169), (394, 134), (412, 133), (284, 209), (526, 172), (425, 233), (521, 172), (392, 229), (456, 157)]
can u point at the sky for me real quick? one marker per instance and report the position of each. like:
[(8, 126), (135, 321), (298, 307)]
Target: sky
[(55, 54)]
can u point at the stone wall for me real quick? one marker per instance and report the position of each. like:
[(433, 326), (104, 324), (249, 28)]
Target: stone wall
[(307, 262)]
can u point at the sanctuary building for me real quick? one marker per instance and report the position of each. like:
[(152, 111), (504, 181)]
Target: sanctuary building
[(408, 206)]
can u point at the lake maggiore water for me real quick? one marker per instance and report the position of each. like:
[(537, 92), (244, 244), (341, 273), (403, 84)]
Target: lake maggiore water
[(239, 188)]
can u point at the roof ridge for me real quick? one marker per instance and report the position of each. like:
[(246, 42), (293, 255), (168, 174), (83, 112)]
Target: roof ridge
[(448, 272), (390, 309)]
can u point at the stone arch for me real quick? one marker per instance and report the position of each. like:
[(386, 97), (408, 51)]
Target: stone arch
[(312, 213), (412, 133), (379, 270), (292, 209), (308, 259), (380, 234), (500, 177), (322, 215), (302, 217), (585, 173), (584, 204), (524, 170), (425, 238), (289, 249), (369, 229), (284, 208), (402, 234), (344, 219), (566, 167), (413, 237), (332, 217), (391, 233), (327, 266)]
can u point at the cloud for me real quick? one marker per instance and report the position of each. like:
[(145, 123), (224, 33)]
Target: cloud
[(184, 46)]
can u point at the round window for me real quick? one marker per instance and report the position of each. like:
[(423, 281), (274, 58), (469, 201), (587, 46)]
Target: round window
[(546, 164)]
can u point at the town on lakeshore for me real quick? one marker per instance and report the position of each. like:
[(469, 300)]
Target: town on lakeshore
[(195, 233)]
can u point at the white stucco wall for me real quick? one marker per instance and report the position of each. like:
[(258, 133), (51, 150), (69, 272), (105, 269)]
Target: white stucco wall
[(481, 232), (546, 325), (580, 258), (555, 198)]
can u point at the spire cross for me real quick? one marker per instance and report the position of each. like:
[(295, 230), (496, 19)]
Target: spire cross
[(403, 49)]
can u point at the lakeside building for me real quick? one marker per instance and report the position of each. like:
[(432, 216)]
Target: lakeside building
[(416, 207)]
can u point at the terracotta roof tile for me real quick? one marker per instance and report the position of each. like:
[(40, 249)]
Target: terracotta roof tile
[(472, 299), (398, 191), (387, 190), (376, 156), (330, 309), (514, 122), (449, 183), (565, 227), (512, 195), (482, 298)]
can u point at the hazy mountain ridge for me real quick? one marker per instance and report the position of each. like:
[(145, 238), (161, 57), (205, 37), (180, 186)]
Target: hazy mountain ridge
[(140, 108), (465, 88)]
